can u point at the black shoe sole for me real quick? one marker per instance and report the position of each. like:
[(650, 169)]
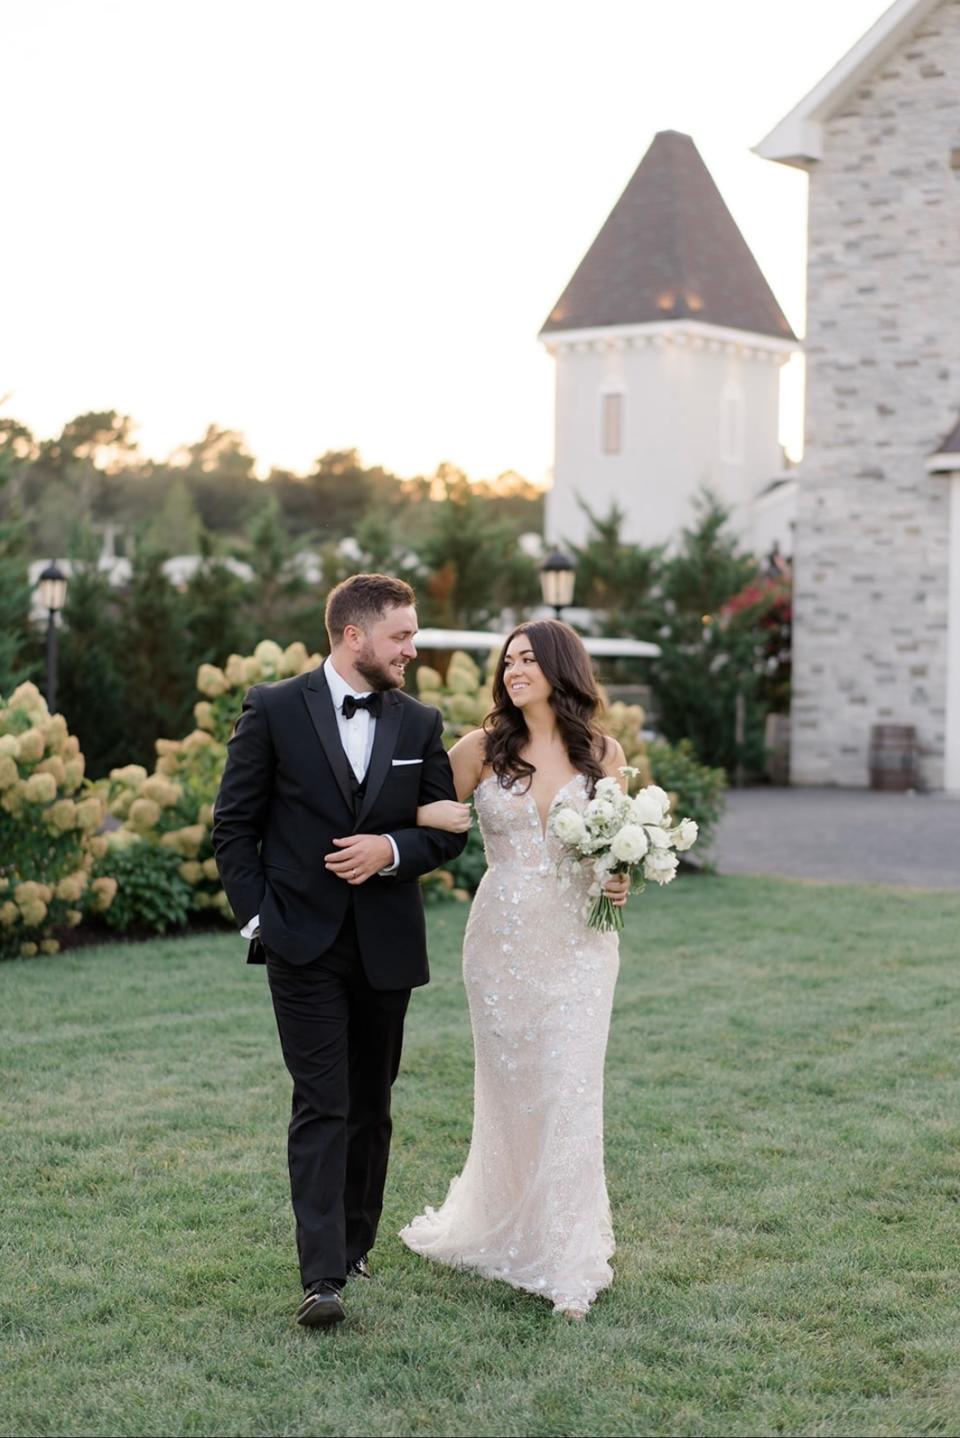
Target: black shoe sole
[(321, 1313)]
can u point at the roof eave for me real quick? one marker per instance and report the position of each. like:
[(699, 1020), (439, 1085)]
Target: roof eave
[(663, 330), (945, 463), (798, 138)]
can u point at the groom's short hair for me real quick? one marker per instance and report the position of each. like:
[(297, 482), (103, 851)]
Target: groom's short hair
[(362, 600)]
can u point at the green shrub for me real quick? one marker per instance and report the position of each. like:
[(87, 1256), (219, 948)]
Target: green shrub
[(151, 892), (172, 808), (699, 791), (48, 828)]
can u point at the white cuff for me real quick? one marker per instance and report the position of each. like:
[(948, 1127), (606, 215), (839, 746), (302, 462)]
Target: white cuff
[(251, 929), (392, 868)]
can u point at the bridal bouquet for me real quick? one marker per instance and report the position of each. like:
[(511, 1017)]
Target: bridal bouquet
[(623, 835)]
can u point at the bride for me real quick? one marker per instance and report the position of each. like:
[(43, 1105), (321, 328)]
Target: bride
[(531, 1205)]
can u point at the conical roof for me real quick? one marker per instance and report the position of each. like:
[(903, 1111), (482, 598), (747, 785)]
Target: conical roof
[(670, 250)]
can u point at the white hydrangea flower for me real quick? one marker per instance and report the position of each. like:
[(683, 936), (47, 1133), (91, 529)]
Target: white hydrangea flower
[(630, 844)]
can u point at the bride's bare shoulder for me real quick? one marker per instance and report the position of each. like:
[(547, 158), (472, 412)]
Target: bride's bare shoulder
[(613, 756)]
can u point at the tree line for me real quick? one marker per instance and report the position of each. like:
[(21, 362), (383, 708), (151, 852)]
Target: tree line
[(129, 655)]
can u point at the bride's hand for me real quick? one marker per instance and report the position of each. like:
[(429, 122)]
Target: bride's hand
[(617, 889), (445, 814)]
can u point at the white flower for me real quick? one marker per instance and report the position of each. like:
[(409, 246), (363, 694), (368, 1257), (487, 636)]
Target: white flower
[(659, 838), (569, 827), (659, 796), (686, 834), (630, 844), (660, 865), (607, 788), (646, 810), (603, 867)]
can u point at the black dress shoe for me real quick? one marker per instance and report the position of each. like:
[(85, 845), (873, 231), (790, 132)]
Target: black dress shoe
[(360, 1268), (321, 1306)]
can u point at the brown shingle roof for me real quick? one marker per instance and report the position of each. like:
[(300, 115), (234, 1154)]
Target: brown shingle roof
[(670, 249)]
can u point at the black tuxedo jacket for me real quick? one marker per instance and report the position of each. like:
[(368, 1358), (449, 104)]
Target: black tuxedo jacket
[(288, 791)]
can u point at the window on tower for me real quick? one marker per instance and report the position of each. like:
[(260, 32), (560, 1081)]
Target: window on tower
[(611, 422), (731, 424)]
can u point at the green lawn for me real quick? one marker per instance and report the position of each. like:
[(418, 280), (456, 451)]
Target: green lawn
[(783, 1157)]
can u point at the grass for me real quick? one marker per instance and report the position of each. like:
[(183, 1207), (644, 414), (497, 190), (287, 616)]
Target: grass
[(783, 1158)]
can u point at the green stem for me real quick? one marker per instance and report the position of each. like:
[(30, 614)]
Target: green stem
[(604, 915)]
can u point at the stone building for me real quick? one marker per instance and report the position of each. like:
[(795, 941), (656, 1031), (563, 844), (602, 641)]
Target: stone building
[(877, 541), (668, 344)]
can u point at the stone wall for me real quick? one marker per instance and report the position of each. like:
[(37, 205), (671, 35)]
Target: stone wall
[(883, 352)]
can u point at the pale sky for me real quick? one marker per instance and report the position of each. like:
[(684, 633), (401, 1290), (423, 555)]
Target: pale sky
[(342, 224)]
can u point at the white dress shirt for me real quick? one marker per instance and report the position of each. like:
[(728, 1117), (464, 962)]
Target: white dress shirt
[(356, 736)]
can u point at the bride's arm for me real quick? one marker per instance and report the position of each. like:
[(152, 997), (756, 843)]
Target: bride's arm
[(466, 761), (617, 887)]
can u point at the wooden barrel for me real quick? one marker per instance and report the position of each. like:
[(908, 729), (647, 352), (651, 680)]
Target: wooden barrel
[(893, 757), (776, 746)]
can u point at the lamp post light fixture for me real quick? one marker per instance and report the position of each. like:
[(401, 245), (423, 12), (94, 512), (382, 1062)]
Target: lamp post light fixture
[(53, 592), (558, 574)]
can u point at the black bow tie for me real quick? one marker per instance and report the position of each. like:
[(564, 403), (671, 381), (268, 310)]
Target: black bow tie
[(351, 704)]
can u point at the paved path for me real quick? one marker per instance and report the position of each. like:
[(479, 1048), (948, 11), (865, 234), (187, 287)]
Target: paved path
[(844, 835)]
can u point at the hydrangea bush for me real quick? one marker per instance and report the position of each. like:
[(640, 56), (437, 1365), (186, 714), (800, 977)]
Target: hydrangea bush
[(172, 808), (49, 822), (464, 697)]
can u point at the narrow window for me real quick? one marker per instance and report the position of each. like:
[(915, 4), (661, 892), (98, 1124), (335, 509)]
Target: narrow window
[(731, 425), (611, 423)]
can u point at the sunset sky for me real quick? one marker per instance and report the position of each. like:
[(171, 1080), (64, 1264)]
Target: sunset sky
[(342, 224)]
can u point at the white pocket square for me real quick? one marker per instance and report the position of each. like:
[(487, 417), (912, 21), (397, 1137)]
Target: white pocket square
[(406, 761)]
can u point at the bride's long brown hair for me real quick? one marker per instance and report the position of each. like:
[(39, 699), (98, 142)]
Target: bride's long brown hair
[(575, 701)]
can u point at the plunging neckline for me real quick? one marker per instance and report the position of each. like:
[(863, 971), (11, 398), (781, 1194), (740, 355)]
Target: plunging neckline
[(528, 795)]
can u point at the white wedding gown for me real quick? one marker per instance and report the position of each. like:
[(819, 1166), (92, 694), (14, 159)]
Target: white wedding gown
[(531, 1205)]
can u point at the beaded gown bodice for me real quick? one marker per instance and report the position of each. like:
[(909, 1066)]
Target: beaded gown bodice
[(530, 1206)]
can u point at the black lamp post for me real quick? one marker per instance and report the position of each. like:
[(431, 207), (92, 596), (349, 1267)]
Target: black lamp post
[(53, 593), (558, 573)]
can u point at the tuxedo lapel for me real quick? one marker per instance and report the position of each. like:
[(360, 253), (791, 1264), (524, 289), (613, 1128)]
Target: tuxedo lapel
[(320, 704), (384, 748)]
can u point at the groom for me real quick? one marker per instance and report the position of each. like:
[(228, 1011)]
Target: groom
[(316, 840)]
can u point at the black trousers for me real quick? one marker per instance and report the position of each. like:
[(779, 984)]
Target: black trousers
[(341, 1043)]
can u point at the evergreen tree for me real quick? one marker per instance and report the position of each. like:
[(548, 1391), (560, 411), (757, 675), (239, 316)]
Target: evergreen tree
[(711, 664), (92, 688), (475, 564), (279, 589), (218, 621), (19, 646), (177, 528), (618, 580), (158, 677)]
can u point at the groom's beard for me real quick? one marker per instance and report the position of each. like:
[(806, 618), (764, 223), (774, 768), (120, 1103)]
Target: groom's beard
[(378, 675)]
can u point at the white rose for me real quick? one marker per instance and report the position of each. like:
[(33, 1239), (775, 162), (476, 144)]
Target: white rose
[(645, 809), (569, 827), (630, 845), (660, 865), (659, 838), (659, 796), (685, 834)]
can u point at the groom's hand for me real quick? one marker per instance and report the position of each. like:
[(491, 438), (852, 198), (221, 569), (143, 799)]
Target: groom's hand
[(359, 857)]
